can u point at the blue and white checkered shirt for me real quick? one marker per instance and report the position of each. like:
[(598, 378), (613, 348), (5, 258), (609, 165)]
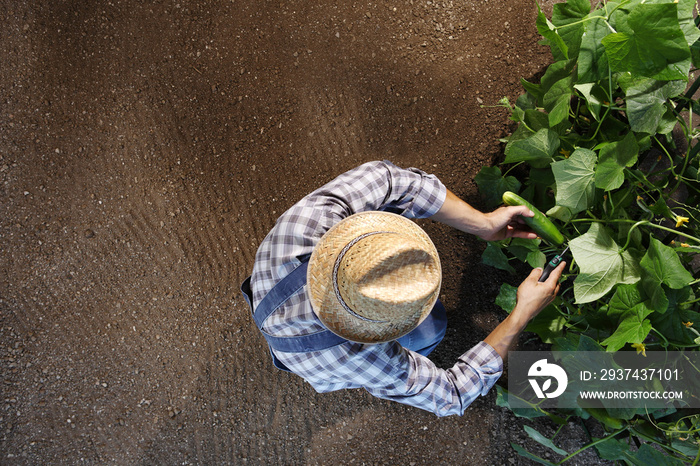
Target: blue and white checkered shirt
[(386, 370)]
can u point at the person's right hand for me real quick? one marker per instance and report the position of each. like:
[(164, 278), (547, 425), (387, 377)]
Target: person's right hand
[(533, 296)]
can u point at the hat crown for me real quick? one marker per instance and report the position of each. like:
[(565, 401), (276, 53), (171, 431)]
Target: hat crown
[(387, 276), (373, 277)]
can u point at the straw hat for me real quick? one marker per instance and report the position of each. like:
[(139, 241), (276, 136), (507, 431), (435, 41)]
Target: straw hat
[(373, 277)]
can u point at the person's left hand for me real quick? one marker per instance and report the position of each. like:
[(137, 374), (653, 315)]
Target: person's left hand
[(507, 222)]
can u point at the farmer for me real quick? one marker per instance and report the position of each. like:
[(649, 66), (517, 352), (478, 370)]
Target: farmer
[(345, 290)]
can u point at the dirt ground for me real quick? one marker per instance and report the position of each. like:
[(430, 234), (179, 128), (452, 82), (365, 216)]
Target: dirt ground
[(146, 148)]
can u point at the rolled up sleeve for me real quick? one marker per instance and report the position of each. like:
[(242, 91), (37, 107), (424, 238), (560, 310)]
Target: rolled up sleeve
[(416, 381), (481, 367), (380, 186)]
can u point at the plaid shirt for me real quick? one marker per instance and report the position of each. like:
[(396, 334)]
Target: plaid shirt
[(386, 370)]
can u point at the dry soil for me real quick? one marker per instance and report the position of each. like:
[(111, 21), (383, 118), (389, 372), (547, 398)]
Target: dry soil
[(146, 148)]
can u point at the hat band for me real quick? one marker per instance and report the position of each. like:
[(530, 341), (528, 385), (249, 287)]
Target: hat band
[(336, 267)]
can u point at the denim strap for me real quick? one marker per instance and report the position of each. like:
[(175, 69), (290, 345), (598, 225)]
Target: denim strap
[(280, 293)]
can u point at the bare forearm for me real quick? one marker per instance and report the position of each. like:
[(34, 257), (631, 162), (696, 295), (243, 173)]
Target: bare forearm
[(460, 215), (531, 298), (504, 336), (497, 225)]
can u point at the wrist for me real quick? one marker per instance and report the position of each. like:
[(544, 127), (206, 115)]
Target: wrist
[(519, 317), (480, 224)]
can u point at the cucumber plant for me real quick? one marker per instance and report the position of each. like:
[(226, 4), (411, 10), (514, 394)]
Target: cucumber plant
[(606, 144)]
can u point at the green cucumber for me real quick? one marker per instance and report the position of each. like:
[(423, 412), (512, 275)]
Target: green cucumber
[(540, 224)]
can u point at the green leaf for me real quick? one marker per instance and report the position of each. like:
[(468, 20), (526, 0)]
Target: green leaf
[(661, 208), (603, 264), (655, 292), (675, 71), (626, 297), (617, 12), (674, 323), (596, 251), (546, 29), (686, 446), (494, 256), (695, 53), (527, 250), (539, 147), (548, 324), (575, 180), (542, 440), (663, 264), (613, 159), (647, 455), (567, 17), (623, 198), (521, 132), (646, 101), (686, 19), (502, 396), (536, 259), (536, 120), (653, 42), (612, 449), (612, 128), (526, 454), (556, 101), (594, 96), (634, 328), (565, 343), (668, 122), (555, 72), (560, 213), (532, 89), (506, 297), (592, 59), (624, 152), (492, 184), (602, 415), (526, 101), (589, 287)]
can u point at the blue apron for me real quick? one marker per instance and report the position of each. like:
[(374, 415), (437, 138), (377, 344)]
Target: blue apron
[(423, 339)]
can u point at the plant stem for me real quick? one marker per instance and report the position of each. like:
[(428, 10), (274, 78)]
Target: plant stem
[(670, 157), (690, 302), (607, 108), (644, 222), (558, 430), (641, 180), (595, 442), (666, 342), (612, 29), (676, 346), (689, 95), (629, 233), (661, 227), (508, 171), (679, 175)]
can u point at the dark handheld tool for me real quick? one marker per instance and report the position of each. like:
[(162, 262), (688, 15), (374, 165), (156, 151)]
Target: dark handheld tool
[(552, 264)]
